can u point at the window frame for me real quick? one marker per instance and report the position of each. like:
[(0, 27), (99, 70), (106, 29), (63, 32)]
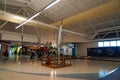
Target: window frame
[(103, 43)]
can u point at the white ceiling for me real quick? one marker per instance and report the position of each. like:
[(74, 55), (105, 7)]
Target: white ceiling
[(62, 10)]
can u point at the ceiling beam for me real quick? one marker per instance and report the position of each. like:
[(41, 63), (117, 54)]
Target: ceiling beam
[(106, 39), (38, 34), (19, 19), (3, 24), (15, 3), (109, 29), (15, 13), (7, 21), (101, 10), (103, 30), (105, 35)]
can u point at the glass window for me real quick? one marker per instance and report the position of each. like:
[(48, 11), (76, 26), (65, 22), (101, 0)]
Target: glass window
[(118, 43), (100, 44), (106, 43), (113, 43)]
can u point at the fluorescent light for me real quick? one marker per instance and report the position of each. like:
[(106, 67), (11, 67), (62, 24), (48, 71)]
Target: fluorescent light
[(52, 4), (28, 20)]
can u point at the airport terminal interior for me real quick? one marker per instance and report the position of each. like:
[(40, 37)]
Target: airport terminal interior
[(59, 39)]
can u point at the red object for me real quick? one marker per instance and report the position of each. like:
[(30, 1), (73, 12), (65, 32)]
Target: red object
[(45, 49), (63, 60), (48, 60)]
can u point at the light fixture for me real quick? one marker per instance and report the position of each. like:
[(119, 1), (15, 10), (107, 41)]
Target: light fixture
[(27, 20), (46, 7), (52, 4)]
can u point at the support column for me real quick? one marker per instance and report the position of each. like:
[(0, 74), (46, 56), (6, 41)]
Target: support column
[(21, 43), (38, 35), (0, 50), (59, 41)]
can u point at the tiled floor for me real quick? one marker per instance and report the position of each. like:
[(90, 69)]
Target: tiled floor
[(114, 59), (33, 70)]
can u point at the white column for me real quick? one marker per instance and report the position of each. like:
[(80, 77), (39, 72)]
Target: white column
[(59, 41)]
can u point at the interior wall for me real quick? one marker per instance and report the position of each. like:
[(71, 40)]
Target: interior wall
[(14, 37), (17, 37), (46, 37), (66, 50), (81, 48), (30, 39)]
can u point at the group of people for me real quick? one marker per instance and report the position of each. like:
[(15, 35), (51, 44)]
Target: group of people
[(43, 51)]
